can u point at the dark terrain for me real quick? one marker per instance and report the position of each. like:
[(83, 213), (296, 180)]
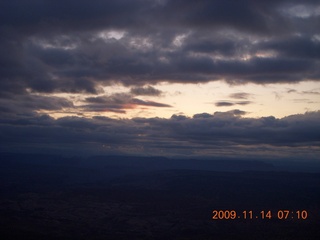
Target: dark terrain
[(54, 197)]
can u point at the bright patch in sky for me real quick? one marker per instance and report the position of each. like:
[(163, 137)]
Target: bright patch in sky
[(303, 11), (190, 99), (111, 34)]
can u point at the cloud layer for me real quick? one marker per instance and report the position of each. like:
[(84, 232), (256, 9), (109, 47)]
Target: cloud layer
[(76, 46), (222, 134)]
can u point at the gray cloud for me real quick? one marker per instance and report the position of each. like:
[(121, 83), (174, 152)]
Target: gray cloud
[(291, 91), (228, 103), (240, 95), (312, 92), (148, 103), (295, 47), (238, 112), (202, 134), (243, 102), (145, 91), (15, 106), (309, 92), (224, 104), (60, 47), (117, 103)]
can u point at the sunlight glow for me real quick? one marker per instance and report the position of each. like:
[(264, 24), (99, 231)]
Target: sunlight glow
[(189, 99)]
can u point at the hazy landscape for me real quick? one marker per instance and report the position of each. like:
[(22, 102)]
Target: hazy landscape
[(54, 197)]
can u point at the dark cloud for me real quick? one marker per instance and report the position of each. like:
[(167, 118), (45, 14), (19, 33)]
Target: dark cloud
[(243, 102), (117, 98), (52, 46), (302, 47), (238, 112), (240, 95), (224, 47), (224, 104), (202, 115), (231, 113), (148, 103), (218, 134), (312, 92), (117, 103), (309, 92), (145, 91), (228, 103), (28, 104), (291, 91), (34, 15), (236, 14), (103, 108)]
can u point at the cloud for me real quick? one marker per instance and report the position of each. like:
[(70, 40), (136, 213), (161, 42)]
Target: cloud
[(291, 91), (231, 113), (302, 100), (202, 115), (308, 92), (145, 91), (218, 134), (117, 103), (102, 108), (243, 102), (238, 112), (228, 103), (295, 47), (312, 92), (15, 106), (148, 103), (77, 47), (224, 104), (240, 95)]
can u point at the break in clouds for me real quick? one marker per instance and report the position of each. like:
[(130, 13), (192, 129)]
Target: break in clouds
[(58, 47)]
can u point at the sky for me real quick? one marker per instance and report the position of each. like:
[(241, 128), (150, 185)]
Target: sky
[(181, 78)]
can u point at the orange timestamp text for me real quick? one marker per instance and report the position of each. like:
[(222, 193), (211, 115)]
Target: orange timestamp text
[(282, 214)]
